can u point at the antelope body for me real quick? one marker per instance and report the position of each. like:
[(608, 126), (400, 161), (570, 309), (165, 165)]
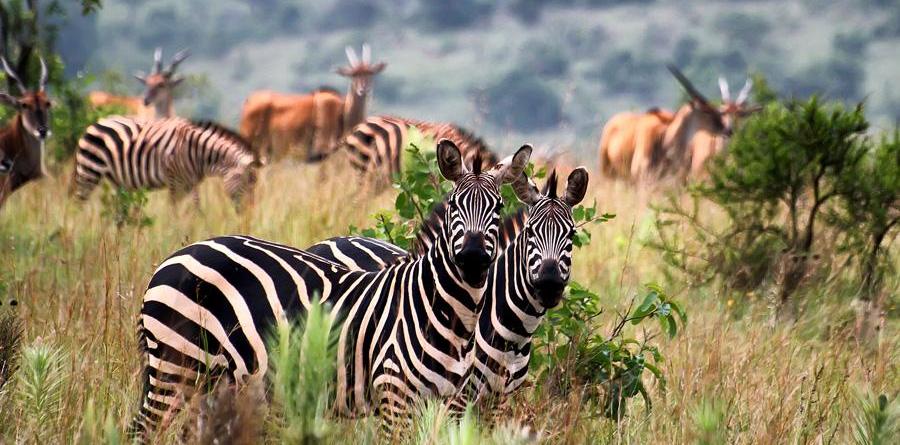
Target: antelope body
[(644, 147), (309, 126), (22, 140)]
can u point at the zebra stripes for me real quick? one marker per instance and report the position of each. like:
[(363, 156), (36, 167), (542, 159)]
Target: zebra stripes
[(176, 153), (376, 145), (402, 329), (527, 279)]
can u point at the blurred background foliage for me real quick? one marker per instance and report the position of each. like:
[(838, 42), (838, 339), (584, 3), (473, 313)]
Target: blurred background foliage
[(549, 71)]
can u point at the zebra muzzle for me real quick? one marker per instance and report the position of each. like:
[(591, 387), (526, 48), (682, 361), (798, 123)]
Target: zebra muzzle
[(473, 259)]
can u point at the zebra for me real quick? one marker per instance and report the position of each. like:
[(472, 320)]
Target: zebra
[(177, 153), (527, 280), (376, 145), (402, 329)]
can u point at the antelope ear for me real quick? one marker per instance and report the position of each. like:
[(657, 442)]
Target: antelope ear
[(526, 190), (509, 169), (576, 186), (140, 76), (378, 67), (175, 81), (450, 160), (7, 99)]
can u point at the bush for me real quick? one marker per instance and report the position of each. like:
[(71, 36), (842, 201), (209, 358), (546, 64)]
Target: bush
[(782, 168), (742, 30), (523, 101), (440, 15), (624, 72), (544, 58)]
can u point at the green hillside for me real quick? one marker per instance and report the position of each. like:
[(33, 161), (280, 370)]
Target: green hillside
[(547, 71)]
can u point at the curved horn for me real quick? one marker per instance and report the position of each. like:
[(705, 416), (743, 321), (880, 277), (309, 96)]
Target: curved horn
[(177, 59), (688, 86), (745, 92), (351, 56), (157, 61), (366, 53), (723, 88), (12, 75), (44, 74)]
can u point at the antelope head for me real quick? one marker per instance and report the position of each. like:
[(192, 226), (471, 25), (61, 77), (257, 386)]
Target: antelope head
[(32, 105), (721, 119), (159, 84), (361, 70)]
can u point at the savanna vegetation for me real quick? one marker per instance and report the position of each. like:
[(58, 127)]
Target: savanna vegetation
[(758, 305)]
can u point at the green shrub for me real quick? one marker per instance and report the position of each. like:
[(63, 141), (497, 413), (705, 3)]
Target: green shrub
[(781, 171), (523, 101)]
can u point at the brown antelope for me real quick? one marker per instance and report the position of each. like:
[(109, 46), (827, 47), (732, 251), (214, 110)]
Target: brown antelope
[(22, 140), (159, 89), (646, 146), (309, 125), (700, 130)]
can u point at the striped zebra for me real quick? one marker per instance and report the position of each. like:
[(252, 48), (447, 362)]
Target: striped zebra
[(402, 330), (176, 153), (527, 279), (376, 146)]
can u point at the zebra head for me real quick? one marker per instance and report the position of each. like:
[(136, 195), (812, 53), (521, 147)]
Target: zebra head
[(548, 234), (473, 208)]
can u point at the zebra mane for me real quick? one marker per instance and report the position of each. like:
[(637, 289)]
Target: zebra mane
[(469, 138), (550, 187), (223, 130)]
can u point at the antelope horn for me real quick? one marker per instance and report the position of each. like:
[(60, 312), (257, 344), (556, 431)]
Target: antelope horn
[(44, 74), (723, 88), (351, 56), (12, 75), (177, 59), (745, 92), (157, 61), (366, 53), (687, 85)]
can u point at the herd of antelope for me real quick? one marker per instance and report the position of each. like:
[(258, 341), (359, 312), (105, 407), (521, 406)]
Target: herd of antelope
[(634, 147)]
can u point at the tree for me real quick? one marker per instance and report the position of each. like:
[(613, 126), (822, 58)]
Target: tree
[(781, 169), (868, 213)]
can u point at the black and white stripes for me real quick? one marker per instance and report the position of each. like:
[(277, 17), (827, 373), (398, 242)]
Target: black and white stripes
[(175, 153), (376, 145), (403, 330), (527, 279)]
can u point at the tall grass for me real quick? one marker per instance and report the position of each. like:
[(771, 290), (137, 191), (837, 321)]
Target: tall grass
[(79, 280)]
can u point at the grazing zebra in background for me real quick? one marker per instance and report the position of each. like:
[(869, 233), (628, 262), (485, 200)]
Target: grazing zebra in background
[(174, 153), (403, 329), (527, 279), (376, 146)]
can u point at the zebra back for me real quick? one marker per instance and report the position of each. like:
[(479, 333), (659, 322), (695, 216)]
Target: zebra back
[(376, 145)]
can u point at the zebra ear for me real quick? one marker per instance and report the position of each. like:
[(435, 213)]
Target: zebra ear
[(576, 186), (526, 190), (450, 160), (509, 169)]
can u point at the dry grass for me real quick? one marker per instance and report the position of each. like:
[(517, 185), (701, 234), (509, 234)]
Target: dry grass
[(79, 282)]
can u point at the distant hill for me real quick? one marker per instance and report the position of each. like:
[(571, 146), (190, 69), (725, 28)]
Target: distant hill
[(550, 72)]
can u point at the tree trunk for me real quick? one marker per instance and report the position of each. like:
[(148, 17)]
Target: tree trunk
[(869, 313)]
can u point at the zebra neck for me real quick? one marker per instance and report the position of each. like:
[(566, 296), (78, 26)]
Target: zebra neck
[(444, 281), (513, 300)]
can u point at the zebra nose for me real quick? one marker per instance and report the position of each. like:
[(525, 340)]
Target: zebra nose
[(473, 258), (550, 283)]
